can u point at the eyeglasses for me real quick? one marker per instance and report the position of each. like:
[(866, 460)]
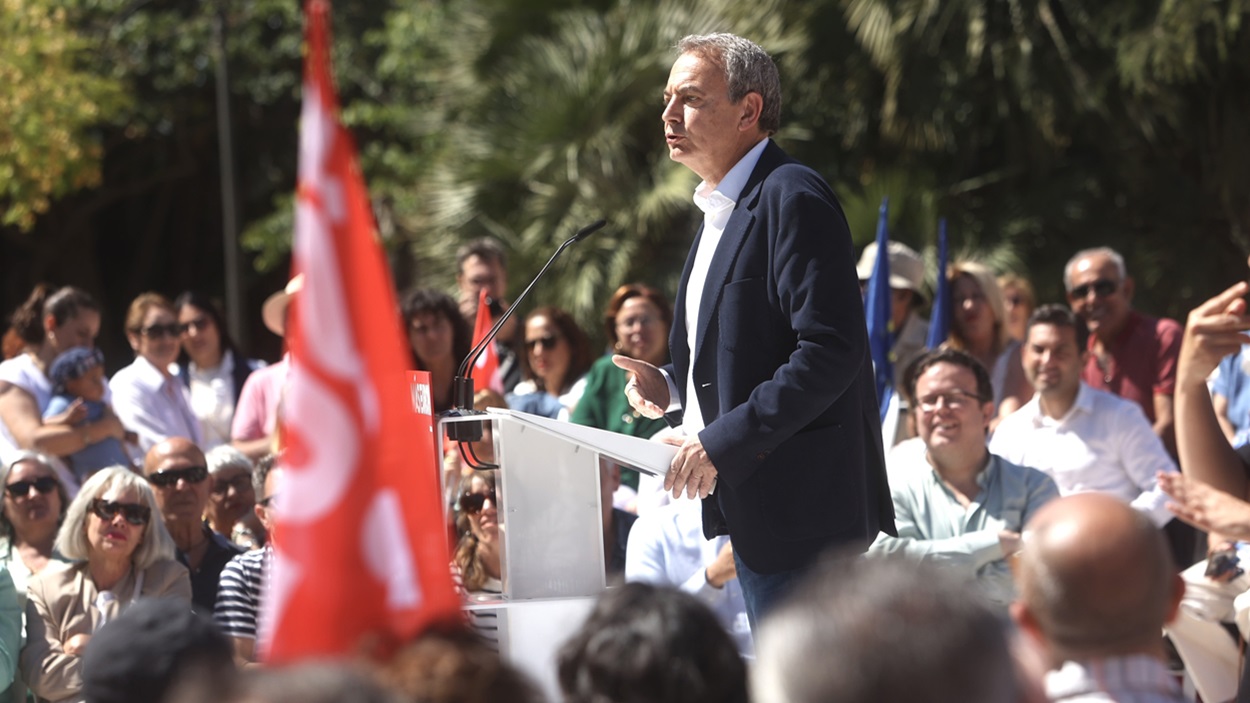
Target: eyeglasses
[(20, 489), (134, 513), (955, 400), (1102, 288), (199, 324), (168, 477), (170, 329), (548, 342), (473, 502), (239, 483), (642, 321), (268, 502)]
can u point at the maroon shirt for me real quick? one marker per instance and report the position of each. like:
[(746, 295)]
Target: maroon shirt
[(1140, 362)]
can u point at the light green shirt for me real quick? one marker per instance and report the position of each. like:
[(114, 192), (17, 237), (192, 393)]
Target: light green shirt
[(933, 526)]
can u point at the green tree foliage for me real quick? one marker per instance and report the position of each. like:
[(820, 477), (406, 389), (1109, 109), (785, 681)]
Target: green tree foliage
[(51, 102)]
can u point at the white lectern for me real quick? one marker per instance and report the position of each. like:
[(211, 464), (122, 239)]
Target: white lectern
[(551, 519)]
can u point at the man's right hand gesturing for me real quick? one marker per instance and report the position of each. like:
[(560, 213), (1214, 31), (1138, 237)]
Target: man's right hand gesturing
[(647, 389)]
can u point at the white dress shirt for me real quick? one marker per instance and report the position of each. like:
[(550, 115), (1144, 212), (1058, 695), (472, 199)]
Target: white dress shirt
[(153, 405), (212, 399), (1104, 444), (717, 205), (666, 547)]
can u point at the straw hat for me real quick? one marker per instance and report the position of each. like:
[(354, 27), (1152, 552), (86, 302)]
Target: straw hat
[(273, 312), (906, 266)]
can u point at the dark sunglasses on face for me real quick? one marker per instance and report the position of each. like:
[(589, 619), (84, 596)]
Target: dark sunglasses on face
[(1102, 288), (134, 513), (20, 489), (198, 324), (157, 331), (473, 502), (239, 483), (548, 342), (168, 477)]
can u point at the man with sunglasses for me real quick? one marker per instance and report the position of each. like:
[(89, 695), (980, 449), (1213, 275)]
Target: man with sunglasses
[(957, 504), (1131, 355), (178, 473)]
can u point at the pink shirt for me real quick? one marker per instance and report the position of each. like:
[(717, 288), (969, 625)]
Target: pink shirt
[(256, 415)]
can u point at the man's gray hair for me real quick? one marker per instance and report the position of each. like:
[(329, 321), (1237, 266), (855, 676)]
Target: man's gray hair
[(71, 539), (901, 631), (748, 69), (1108, 252)]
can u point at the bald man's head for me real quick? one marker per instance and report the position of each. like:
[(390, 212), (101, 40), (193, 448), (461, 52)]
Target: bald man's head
[(178, 472), (1096, 578)]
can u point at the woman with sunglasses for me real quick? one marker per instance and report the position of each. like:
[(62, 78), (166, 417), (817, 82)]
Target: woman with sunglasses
[(48, 323), (477, 563), (979, 327), (34, 504), (209, 366), (554, 364), (121, 552), (146, 396), (479, 551)]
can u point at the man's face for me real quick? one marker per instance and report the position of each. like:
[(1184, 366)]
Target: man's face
[(701, 125), (1098, 296), (266, 505), (477, 273), (181, 499), (1052, 361), (949, 414)]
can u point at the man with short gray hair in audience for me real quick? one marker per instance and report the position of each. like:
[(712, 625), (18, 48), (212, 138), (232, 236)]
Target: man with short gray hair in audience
[(1131, 355), (886, 631)]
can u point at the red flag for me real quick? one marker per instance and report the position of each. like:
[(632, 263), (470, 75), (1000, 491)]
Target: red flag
[(360, 554), (486, 369)]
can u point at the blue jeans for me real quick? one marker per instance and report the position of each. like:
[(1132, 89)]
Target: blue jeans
[(762, 592)]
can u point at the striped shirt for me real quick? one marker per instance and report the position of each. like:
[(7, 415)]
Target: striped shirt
[(238, 595), (1131, 679)]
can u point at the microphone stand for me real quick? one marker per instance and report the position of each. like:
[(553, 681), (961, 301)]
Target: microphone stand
[(465, 433)]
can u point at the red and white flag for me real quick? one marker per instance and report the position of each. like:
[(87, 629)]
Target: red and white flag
[(485, 370), (360, 551)]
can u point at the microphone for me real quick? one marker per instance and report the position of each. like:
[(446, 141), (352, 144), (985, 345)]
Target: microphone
[(462, 386)]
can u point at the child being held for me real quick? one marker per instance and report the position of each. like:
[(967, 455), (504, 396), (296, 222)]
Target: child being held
[(78, 389)]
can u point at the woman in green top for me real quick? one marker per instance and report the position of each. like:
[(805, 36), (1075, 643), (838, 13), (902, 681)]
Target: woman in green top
[(637, 321)]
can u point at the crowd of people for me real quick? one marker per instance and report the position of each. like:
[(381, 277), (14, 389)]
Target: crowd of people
[(1028, 547)]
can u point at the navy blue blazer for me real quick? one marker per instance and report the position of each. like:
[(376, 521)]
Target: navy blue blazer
[(784, 378)]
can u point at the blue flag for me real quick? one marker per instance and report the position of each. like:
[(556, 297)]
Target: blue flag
[(877, 313), (940, 321)]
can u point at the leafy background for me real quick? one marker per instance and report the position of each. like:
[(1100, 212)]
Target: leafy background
[(1036, 128)]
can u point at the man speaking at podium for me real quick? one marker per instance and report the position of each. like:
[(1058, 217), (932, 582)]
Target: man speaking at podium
[(770, 352)]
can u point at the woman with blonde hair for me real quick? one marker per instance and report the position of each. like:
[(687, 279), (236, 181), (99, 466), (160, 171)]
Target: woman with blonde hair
[(1019, 301), (121, 552), (979, 327)]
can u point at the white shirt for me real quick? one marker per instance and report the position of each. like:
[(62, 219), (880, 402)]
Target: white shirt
[(212, 399), (1104, 444), (717, 205), (153, 405), (21, 371), (666, 547)]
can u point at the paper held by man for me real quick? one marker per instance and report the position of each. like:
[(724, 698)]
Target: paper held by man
[(645, 455)]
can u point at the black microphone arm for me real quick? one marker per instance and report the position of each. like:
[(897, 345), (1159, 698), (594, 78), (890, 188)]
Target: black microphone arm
[(462, 386)]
